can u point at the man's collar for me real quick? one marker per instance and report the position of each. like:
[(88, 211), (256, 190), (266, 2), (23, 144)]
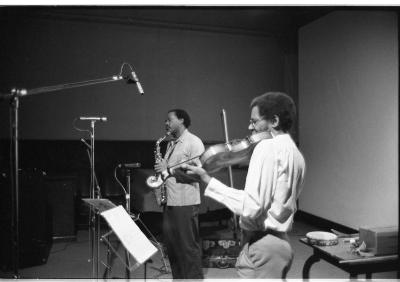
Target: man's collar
[(180, 138)]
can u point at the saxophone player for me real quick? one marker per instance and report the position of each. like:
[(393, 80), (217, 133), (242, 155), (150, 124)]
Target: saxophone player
[(180, 219)]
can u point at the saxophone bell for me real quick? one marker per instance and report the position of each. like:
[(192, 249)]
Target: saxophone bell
[(154, 181)]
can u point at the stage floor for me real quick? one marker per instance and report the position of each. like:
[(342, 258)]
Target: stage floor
[(71, 260)]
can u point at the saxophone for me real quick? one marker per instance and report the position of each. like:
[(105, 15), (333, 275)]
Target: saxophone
[(155, 181)]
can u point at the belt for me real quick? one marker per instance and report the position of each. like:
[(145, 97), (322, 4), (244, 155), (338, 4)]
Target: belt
[(253, 236)]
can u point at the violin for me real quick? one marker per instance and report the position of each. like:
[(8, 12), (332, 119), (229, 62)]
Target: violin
[(234, 152)]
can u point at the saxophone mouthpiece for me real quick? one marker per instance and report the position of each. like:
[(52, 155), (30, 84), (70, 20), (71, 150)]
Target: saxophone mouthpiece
[(167, 134)]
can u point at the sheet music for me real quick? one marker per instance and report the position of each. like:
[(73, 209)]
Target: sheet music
[(130, 235)]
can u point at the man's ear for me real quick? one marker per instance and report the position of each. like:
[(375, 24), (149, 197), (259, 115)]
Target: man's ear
[(275, 121)]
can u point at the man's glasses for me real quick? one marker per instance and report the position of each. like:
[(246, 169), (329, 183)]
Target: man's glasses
[(253, 123)]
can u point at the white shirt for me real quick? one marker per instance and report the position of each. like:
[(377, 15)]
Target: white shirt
[(273, 183)]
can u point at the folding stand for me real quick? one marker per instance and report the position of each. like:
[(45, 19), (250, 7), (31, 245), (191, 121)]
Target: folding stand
[(130, 236), (128, 168), (137, 218), (126, 262)]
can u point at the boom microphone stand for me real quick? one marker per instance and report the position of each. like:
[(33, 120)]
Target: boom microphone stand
[(94, 228), (14, 97)]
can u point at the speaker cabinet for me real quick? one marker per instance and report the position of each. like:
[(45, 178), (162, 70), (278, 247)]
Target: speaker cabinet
[(61, 198), (34, 220)]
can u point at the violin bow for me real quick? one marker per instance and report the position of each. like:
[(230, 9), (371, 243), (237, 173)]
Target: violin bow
[(225, 127)]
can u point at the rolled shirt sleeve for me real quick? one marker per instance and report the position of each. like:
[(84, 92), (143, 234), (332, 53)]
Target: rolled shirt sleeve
[(268, 200), (250, 201)]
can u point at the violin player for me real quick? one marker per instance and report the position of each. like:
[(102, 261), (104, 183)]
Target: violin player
[(267, 204)]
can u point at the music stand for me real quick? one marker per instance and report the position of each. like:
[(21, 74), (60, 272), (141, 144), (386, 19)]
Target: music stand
[(128, 170), (137, 217), (128, 233)]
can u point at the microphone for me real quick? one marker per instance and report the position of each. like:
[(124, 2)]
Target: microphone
[(103, 119), (131, 165), (136, 81)]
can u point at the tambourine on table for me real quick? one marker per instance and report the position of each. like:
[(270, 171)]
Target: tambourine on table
[(322, 238), (337, 251)]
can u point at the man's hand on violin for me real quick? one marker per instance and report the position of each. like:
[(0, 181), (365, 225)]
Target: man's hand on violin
[(160, 166), (194, 170)]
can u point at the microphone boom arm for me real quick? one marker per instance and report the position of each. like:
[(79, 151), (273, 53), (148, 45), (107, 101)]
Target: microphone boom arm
[(45, 89)]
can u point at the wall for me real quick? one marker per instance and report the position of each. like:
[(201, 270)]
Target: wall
[(348, 101), (201, 71)]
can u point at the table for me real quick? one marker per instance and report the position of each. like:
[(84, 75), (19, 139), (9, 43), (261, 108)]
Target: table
[(340, 255)]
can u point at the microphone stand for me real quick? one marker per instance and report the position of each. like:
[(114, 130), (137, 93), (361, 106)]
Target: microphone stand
[(128, 209), (128, 192), (14, 103), (14, 97), (94, 219)]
